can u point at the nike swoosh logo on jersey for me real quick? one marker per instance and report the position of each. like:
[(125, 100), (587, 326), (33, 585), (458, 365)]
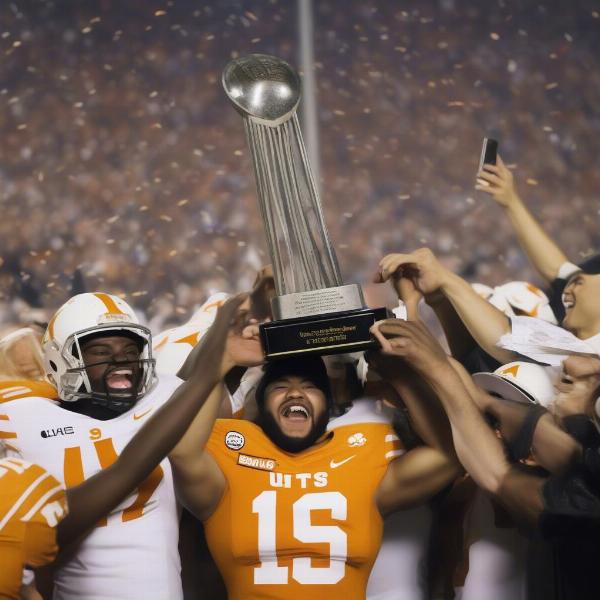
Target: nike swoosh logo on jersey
[(335, 465), (141, 415)]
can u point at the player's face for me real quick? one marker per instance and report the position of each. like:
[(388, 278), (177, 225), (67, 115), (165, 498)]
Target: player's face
[(580, 299), (112, 364), (296, 405)]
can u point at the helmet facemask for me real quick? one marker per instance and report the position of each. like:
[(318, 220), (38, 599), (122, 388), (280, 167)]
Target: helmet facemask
[(74, 383)]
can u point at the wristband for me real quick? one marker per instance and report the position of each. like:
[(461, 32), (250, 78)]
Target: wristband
[(520, 445)]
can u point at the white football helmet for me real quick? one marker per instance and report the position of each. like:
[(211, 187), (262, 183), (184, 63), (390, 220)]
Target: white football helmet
[(520, 381), (82, 316), (518, 298)]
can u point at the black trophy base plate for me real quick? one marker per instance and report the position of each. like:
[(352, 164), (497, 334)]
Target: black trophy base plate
[(331, 333)]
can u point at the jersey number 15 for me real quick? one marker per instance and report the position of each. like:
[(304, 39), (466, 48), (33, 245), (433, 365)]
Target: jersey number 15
[(269, 572)]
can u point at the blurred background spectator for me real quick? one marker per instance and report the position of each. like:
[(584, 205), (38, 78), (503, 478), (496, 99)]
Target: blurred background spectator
[(124, 168)]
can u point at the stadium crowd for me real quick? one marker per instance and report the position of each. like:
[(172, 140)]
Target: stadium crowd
[(120, 155)]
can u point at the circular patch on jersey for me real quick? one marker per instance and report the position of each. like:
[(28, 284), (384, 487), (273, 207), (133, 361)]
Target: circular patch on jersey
[(234, 440), (357, 439)]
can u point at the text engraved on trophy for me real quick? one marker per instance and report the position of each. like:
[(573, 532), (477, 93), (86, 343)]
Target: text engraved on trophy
[(328, 335), (319, 302)]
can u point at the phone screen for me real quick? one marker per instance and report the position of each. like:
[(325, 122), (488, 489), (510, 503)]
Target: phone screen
[(489, 152)]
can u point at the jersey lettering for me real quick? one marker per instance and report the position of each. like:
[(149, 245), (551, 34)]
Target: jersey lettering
[(287, 480)]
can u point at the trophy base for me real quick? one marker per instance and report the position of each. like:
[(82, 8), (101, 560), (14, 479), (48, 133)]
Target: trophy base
[(332, 333)]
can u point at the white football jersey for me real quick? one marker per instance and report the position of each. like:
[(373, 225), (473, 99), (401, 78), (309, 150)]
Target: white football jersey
[(497, 555), (133, 553), (399, 573), (172, 347)]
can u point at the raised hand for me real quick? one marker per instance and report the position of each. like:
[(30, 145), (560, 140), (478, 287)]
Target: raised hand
[(231, 340), (413, 342), (243, 347), (408, 293), (497, 181), (421, 267)]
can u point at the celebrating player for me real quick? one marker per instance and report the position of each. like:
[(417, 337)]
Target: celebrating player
[(100, 360), (91, 500), (290, 509)]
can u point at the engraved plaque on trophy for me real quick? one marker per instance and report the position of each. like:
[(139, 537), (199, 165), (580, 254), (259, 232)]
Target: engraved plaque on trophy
[(314, 312)]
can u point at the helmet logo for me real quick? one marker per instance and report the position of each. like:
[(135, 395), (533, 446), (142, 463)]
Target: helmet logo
[(513, 370), (113, 318)]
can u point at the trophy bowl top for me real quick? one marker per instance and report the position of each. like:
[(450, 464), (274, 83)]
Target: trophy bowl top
[(262, 86)]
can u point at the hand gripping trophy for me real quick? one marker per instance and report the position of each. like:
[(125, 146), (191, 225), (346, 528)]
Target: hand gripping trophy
[(314, 311)]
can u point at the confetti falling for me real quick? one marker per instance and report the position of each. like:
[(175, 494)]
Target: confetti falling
[(129, 164)]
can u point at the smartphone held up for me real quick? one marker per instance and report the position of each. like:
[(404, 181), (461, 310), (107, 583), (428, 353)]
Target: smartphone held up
[(489, 156), (489, 153)]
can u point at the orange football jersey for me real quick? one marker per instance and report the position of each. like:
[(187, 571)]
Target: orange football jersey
[(23, 388), (298, 525), (32, 502)]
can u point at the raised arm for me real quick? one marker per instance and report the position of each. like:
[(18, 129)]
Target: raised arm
[(458, 337), (477, 446), (98, 495), (425, 470), (427, 416), (526, 428), (484, 322), (198, 479), (542, 251)]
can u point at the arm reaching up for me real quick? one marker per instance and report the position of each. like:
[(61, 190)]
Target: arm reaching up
[(485, 322), (426, 414), (550, 445), (477, 446), (198, 479), (97, 496), (542, 251), (425, 470)]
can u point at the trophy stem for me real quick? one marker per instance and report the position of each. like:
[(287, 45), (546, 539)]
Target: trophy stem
[(301, 252), (310, 253), (265, 190), (314, 192)]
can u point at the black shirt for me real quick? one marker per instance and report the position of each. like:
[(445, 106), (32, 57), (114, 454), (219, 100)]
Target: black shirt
[(571, 521)]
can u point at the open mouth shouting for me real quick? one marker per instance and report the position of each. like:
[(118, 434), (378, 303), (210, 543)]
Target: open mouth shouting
[(120, 378), (295, 416)]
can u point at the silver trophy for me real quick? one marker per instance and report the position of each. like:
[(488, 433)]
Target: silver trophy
[(313, 310)]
